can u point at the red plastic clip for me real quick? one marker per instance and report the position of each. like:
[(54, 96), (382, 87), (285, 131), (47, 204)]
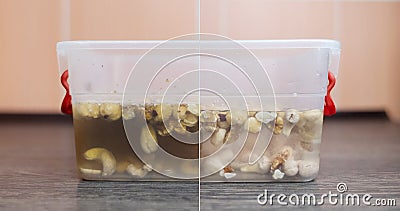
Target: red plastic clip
[(66, 106), (329, 107)]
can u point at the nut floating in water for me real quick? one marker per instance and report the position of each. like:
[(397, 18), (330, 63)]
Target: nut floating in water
[(128, 112), (148, 139), (90, 171), (252, 125), (105, 157), (110, 111), (138, 172), (278, 125), (91, 110), (217, 139), (292, 116)]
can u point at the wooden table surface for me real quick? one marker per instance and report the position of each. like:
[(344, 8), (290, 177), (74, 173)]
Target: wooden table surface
[(38, 171)]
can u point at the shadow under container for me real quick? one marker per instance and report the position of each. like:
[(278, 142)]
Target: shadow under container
[(224, 111)]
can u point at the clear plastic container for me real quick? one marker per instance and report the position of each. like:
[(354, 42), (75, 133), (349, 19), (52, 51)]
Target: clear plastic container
[(214, 109)]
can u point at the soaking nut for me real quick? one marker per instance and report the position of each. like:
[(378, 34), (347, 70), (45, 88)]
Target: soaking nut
[(292, 117), (128, 112), (252, 125), (138, 172), (148, 139), (217, 139), (90, 171), (110, 111), (90, 110), (104, 156)]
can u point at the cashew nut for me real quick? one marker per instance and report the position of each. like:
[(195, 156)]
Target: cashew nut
[(104, 156), (252, 125), (138, 172), (110, 111), (87, 110), (148, 139), (292, 117), (128, 112), (217, 139), (90, 171)]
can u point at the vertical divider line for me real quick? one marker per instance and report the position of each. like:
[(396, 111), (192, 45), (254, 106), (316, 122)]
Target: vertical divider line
[(199, 84)]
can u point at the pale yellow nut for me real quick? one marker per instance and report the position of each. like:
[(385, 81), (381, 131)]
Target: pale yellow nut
[(292, 117), (110, 111), (278, 125), (138, 172), (313, 115), (105, 157), (148, 139), (252, 125), (90, 171), (91, 110), (128, 112), (217, 139)]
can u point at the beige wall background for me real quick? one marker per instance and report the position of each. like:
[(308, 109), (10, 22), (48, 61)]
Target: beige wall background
[(368, 30)]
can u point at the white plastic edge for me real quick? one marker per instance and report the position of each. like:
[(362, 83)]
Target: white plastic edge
[(250, 44)]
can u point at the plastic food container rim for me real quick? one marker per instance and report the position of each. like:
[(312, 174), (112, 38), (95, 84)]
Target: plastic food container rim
[(208, 44)]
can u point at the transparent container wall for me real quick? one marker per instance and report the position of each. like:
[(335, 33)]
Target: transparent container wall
[(168, 116)]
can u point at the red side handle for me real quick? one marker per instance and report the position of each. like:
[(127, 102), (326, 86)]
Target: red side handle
[(66, 106), (329, 107)]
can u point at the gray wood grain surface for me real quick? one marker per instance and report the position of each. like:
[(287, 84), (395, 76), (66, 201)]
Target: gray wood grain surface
[(38, 172)]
